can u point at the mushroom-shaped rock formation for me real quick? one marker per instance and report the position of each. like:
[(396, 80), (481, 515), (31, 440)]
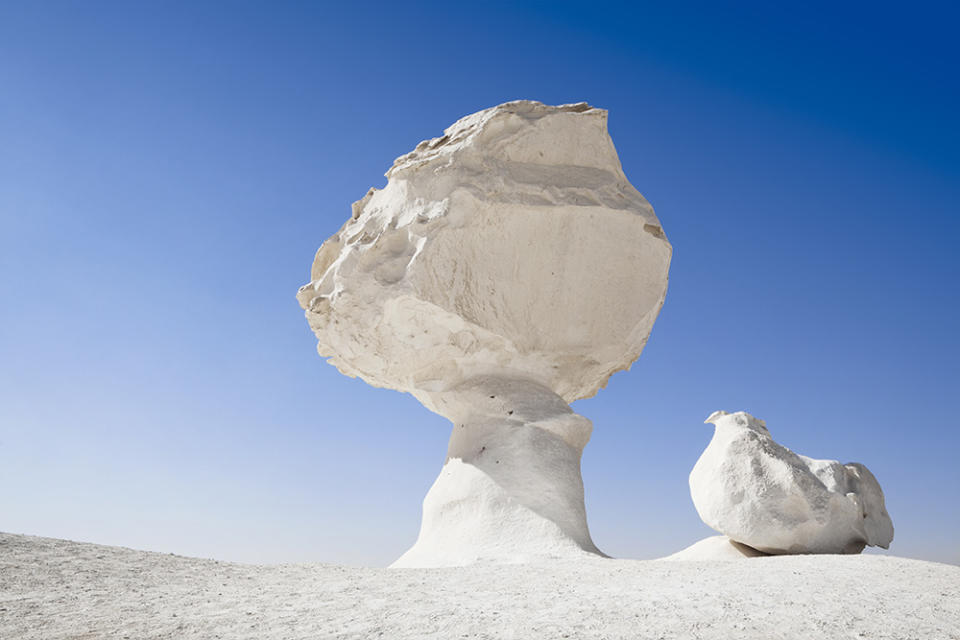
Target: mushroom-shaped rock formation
[(763, 495), (506, 269)]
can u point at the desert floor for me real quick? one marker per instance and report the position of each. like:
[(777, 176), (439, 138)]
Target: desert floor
[(52, 589)]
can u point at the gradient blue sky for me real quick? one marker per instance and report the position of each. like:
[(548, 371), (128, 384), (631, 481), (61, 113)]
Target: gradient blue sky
[(167, 171)]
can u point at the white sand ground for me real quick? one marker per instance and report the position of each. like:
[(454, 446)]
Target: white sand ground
[(55, 589)]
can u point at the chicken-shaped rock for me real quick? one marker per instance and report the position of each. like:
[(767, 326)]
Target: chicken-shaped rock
[(761, 494)]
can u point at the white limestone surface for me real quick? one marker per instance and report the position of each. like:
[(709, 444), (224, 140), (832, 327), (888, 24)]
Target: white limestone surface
[(507, 268), (761, 494), (59, 590)]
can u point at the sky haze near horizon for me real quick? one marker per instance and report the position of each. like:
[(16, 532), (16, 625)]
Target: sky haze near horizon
[(167, 171)]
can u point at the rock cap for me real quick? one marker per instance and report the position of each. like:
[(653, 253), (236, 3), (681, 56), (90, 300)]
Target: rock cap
[(511, 245)]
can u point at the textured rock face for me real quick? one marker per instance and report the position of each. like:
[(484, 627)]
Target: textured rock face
[(763, 495), (507, 269), (512, 243)]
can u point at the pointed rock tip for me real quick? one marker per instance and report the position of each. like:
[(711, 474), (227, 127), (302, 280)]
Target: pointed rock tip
[(713, 417)]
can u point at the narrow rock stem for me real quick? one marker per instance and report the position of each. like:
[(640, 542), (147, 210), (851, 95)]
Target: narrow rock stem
[(510, 489)]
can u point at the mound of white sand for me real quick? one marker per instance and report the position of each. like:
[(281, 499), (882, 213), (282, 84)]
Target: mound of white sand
[(54, 589), (715, 548)]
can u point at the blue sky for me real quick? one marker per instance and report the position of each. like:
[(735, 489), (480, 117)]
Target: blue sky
[(167, 171)]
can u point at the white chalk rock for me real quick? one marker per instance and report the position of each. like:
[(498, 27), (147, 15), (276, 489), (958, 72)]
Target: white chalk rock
[(510, 490), (714, 548), (763, 495), (512, 243), (506, 269)]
